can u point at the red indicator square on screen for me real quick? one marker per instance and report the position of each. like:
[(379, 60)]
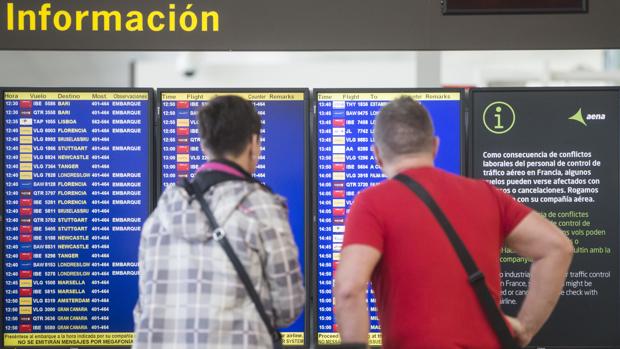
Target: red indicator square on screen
[(25, 193), (338, 167), (25, 220), (183, 140), (338, 122), (182, 104), (338, 185), (25, 229), (25, 256), (183, 167), (25, 274), (182, 149), (25, 238), (25, 104), (25, 202), (339, 221), (338, 194), (25, 328), (183, 131), (25, 292), (26, 318), (339, 212), (25, 211), (335, 326)]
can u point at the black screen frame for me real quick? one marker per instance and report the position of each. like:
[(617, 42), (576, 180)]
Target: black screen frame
[(150, 166), (307, 174), (463, 119), (470, 151), (446, 10)]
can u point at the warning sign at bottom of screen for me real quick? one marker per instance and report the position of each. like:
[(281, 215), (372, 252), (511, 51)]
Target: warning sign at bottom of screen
[(331, 338), (67, 339), (99, 339)]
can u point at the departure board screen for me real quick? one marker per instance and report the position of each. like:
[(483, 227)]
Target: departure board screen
[(77, 189), (282, 162), (346, 165)]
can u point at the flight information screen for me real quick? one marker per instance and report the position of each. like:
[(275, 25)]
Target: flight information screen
[(282, 163), (76, 192), (346, 165)]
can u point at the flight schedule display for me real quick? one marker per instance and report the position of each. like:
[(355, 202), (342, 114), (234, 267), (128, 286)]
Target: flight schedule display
[(557, 151), (77, 188), (346, 165), (282, 162)]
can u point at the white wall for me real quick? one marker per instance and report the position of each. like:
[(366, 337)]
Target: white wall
[(518, 68), (285, 69), (304, 69), (60, 69)]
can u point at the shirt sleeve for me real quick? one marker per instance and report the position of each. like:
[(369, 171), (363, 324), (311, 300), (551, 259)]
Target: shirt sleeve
[(151, 224), (363, 225), (511, 211), (281, 264)]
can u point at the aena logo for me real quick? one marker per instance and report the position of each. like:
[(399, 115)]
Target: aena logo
[(578, 117)]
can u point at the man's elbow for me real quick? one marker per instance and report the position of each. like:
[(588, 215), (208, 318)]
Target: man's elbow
[(346, 291), (288, 312), (288, 316), (562, 248), (567, 249)]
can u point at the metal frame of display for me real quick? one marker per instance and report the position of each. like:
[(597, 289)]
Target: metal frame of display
[(447, 11), (307, 175), (150, 180), (463, 119)]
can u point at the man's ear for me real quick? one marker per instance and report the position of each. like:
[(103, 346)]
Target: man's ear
[(205, 151), (436, 142), (378, 158), (255, 146)]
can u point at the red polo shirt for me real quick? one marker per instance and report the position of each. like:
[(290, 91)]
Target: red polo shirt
[(423, 296)]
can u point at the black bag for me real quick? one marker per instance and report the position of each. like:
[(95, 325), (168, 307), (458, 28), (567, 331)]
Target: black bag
[(476, 278), (196, 189)]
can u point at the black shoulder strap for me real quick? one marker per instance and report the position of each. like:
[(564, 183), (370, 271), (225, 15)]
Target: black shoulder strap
[(476, 278), (207, 179), (196, 190)]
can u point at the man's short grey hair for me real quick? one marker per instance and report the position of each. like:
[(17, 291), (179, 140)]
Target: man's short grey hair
[(403, 127)]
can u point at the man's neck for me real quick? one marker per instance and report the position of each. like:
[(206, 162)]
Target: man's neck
[(239, 161), (411, 162)]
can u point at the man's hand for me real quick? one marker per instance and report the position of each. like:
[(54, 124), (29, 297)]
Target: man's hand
[(551, 253), (521, 335), (352, 276)]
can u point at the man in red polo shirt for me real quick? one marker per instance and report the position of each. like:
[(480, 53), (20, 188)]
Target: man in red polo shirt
[(392, 239)]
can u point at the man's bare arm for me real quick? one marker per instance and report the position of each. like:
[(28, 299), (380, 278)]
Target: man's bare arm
[(357, 263), (551, 252)]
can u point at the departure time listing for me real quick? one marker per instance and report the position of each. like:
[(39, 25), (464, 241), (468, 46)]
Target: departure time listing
[(76, 188)]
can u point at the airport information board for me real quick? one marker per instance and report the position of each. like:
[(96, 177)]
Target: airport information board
[(558, 151), (77, 188), (346, 165), (282, 163)]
